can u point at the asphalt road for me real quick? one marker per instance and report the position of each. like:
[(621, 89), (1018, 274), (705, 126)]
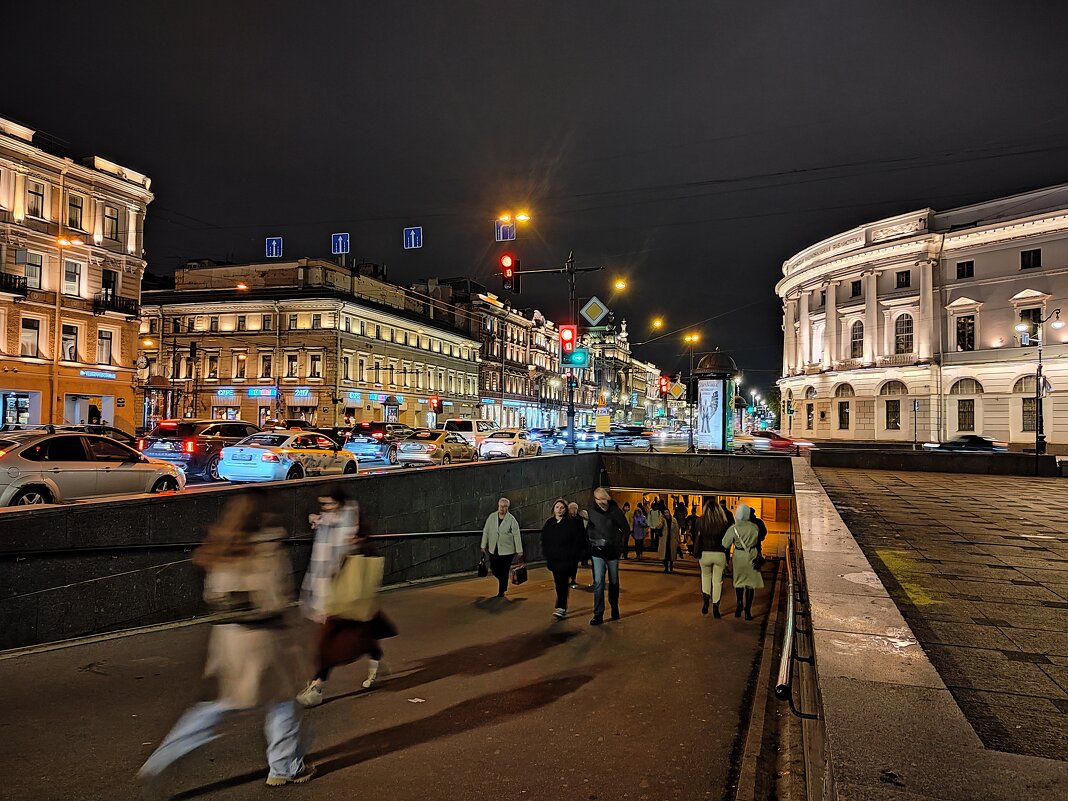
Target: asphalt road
[(486, 700)]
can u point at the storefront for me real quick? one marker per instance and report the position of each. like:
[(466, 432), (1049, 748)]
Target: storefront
[(352, 410), (20, 408), (264, 400), (302, 404), (225, 404), (98, 398)]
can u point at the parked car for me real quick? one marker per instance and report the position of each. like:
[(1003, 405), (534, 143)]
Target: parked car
[(194, 446), (474, 431), (55, 467), (512, 442), (371, 441), (435, 447), (779, 442), (968, 442), (111, 432), (285, 455), (627, 436)]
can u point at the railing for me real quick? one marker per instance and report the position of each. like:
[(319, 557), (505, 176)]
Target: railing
[(15, 284), (897, 359), (109, 301), (849, 364), (784, 683)]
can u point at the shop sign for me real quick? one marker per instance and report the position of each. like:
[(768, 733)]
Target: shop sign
[(224, 393), (355, 396), (263, 392), (302, 393), (489, 401), (120, 402), (97, 374)]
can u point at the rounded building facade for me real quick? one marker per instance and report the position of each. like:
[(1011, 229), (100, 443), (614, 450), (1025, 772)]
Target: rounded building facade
[(906, 329)]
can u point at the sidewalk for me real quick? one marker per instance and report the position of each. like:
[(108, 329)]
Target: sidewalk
[(487, 700)]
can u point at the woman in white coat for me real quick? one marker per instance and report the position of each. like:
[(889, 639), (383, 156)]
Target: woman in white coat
[(744, 536), (502, 541)]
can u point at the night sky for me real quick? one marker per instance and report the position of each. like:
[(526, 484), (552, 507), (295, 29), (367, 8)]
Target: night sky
[(689, 146)]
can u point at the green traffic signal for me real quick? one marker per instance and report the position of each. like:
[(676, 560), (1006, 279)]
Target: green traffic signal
[(579, 357)]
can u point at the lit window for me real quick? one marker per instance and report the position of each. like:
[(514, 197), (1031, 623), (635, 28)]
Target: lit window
[(75, 212), (35, 199), (72, 278), (111, 223), (903, 340)]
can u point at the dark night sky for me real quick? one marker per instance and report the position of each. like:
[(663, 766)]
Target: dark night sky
[(691, 146)]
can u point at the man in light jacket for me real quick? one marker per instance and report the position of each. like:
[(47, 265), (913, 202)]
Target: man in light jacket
[(606, 533), (501, 540)]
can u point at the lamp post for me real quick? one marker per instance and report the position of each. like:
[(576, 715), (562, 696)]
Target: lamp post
[(1024, 327), (690, 340)]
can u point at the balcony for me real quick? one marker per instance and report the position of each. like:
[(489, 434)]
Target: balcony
[(110, 302), (13, 284)]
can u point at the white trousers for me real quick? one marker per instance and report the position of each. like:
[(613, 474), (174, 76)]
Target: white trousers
[(712, 565)]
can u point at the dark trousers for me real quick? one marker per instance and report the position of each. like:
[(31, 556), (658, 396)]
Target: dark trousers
[(562, 580), (499, 566), (639, 548)]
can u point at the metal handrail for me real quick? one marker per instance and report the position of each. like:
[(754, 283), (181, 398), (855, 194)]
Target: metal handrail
[(784, 683)]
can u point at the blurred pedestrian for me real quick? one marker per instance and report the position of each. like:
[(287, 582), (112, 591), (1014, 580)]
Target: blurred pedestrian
[(669, 544), (605, 533), (584, 556), (342, 639), (562, 540), (743, 536), (709, 550), (656, 520), (639, 529), (502, 541), (248, 576), (630, 527)]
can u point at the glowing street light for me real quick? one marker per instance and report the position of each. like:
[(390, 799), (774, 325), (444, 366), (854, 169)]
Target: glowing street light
[(658, 323), (619, 285)]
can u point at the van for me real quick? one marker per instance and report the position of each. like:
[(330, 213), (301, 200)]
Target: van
[(474, 431)]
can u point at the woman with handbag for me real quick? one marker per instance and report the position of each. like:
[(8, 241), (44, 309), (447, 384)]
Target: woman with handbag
[(562, 539), (744, 536), (248, 579), (502, 541), (327, 598)]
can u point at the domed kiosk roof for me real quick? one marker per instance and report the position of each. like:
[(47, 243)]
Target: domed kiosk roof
[(716, 363)]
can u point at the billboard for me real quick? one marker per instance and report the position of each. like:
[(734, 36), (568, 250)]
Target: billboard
[(710, 411)]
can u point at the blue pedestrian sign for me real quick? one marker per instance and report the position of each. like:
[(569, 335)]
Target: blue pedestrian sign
[(413, 238), (339, 244), (274, 247), (505, 231)]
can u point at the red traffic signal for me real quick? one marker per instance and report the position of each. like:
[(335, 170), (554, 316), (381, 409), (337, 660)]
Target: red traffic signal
[(664, 384), (568, 337), (507, 261), (435, 403), (509, 272)]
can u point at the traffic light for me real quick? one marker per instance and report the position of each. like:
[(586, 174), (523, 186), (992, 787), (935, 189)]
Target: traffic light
[(435, 403), (568, 339), (579, 357), (510, 273), (572, 382), (664, 384), (192, 350)]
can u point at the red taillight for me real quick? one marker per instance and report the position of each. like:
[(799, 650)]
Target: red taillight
[(270, 457), (189, 446), (141, 444), (377, 435), (432, 447)]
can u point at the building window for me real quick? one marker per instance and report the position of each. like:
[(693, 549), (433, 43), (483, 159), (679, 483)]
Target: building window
[(1030, 418), (292, 361), (315, 369), (153, 325), (893, 415), (190, 324), (241, 321), (266, 365), (75, 212), (348, 325), (361, 371), (904, 279), (34, 265), (292, 322), (854, 289), (378, 372), (213, 366), (844, 391), (29, 339), (267, 322), (35, 199), (363, 328), (843, 415), (176, 325), (378, 332), (240, 360), (809, 415), (111, 223), (72, 278), (1034, 318), (966, 414), (965, 269), (856, 340), (966, 386), (103, 346), (69, 344), (317, 321), (1030, 258), (345, 368), (966, 332), (903, 333), (213, 324)]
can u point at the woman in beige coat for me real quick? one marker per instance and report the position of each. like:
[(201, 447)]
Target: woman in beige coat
[(503, 542), (744, 536)]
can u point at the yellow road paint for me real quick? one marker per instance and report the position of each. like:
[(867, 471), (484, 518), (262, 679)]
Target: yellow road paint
[(903, 570)]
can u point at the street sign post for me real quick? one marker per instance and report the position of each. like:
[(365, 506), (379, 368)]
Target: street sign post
[(339, 244), (594, 311), (505, 231), (274, 247), (677, 390), (413, 238)]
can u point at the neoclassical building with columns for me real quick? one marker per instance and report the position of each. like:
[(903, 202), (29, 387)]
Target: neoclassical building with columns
[(905, 328)]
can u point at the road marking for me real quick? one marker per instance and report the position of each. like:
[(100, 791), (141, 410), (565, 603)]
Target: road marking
[(900, 566)]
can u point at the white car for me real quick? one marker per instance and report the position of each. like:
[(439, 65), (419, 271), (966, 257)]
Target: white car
[(285, 455), (514, 442)]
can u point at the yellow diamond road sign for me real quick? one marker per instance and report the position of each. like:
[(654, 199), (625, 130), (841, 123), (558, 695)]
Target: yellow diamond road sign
[(677, 390), (594, 311)]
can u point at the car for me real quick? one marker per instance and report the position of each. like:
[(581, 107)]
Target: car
[(627, 436), (111, 432), (749, 443), (779, 442), (194, 446), (513, 442), (288, 424), (58, 466), (375, 440), (544, 435), (285, 456), (435, 447), (474, 431), (968, 442)]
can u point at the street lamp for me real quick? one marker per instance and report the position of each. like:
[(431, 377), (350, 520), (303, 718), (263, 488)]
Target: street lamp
[(658, 324), (1026, 326), (691, 340), (619, 285)]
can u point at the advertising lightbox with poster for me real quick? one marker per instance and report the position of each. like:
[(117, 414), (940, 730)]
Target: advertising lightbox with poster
[(710, 415)]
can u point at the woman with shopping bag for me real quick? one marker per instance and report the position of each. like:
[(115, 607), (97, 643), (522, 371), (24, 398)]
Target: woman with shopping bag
[(340, 593)]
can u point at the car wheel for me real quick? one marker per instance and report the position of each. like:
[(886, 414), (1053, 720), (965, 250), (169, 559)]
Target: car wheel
[(165, 484), (446, 459), (350, 469), (212, 469), (31, 496), (521, 454), (391, 456), (294, 473)]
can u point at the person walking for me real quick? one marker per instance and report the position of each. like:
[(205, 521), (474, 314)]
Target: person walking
[(248, 576), (708, 549), (605, 533), (669, 544), (502, 541), (562, 540), (340, 640), (584, 555), (630, 527), (743, 536), (641, 526), (656, 520)]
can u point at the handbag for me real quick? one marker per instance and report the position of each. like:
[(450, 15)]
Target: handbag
[(483, 570), (519, 574), (354, 590)]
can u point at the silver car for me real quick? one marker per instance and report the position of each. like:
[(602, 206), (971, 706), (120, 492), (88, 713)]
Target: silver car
[(435, 447), (58, 466)]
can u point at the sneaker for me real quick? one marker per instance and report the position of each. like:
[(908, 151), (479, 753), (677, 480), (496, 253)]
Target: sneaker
[(574, 586), (369, 682), (559, 613), (597, 621), (310, 696), (304, 775)]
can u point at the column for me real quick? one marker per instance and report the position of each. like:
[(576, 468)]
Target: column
[(830, 329), (98, 222), (19, 206), (871, 320), (132, 232), (789, 349), (926, 324), (806, 333)]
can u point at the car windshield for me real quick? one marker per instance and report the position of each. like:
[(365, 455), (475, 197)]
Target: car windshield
[(502, 435), (267, 440), (459, 425), (182, 430)]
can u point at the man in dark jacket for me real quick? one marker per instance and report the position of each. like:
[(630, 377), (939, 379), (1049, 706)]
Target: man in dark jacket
[(606, 532)]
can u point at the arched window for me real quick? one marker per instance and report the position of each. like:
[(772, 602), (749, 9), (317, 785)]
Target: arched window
[(856, 340), (789, 394), (1025, 385), (844, 391), (966, 386), (903, 334), (810, 392), (894, 388)]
